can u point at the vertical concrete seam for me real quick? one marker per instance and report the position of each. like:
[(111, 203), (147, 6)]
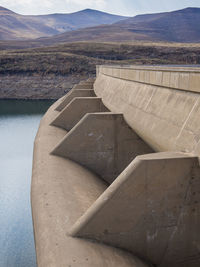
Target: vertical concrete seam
[(116, 143), (146, 204), (152, 95), (180, 213), (187, 119)]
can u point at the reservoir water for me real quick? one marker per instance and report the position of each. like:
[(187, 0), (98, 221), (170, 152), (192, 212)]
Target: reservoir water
[(19, 121)]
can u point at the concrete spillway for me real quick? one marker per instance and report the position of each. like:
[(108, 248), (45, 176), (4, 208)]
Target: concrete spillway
[(116, 178)]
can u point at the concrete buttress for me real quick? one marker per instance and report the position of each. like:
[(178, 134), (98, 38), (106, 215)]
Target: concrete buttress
[(150, 209), (116, 175), (76, 109), (103, 143), (72, 94)]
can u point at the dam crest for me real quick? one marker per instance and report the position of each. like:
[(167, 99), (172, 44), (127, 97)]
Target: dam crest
[(116, 177)]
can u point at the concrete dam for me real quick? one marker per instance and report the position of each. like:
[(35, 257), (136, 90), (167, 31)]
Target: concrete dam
[(116, 175)]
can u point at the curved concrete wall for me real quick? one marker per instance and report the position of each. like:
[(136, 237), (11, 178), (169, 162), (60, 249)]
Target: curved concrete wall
[(111, 176), (62, 191), (161, 104)]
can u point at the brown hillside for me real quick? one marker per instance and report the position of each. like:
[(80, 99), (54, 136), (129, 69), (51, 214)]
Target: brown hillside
[(15, 27), (177, 26)]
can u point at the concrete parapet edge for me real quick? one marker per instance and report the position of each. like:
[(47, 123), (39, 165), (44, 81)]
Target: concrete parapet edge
[(181, 78)]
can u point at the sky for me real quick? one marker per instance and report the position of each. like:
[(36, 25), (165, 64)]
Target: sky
[(120, 7)]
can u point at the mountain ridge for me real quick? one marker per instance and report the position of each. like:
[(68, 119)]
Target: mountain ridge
[(176, 26), (14, 26)]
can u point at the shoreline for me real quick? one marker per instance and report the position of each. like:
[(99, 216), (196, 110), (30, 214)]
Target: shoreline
[(30, 99), (25, 87)]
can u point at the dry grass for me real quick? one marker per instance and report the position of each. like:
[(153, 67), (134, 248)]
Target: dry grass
[(81, 58)]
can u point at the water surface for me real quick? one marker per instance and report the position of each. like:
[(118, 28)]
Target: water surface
[(19, 121)]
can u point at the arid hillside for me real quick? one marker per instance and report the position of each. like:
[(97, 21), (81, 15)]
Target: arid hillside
[(49, 72), (82, 57), (14, 26), (177, 26)]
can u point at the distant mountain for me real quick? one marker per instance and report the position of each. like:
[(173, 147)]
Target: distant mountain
[(17, 27), (176, 26)]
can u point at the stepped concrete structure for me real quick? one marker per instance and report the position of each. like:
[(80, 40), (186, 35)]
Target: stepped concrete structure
[(116, 176)]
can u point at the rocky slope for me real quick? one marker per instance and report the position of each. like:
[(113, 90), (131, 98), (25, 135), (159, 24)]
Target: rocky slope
[(49, 72), (18, 86)]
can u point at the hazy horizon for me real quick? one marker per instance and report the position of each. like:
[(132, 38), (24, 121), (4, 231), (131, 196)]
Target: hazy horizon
[(118, 7)]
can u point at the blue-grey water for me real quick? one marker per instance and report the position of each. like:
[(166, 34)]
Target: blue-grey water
[(19, 121)]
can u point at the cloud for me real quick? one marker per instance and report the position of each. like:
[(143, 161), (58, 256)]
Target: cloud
[(80, 4), (123, 7), (97, 3), (29, 7)]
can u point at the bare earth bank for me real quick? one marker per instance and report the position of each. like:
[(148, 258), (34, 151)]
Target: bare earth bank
[(15, 86)]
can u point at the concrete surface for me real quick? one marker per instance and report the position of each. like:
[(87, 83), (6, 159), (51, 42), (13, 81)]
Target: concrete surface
[(97, 200), (151, 209), (76, 109), (84, 86), (75, 93), (61, 192), (103, 143), (180, 78), (166, 118)]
